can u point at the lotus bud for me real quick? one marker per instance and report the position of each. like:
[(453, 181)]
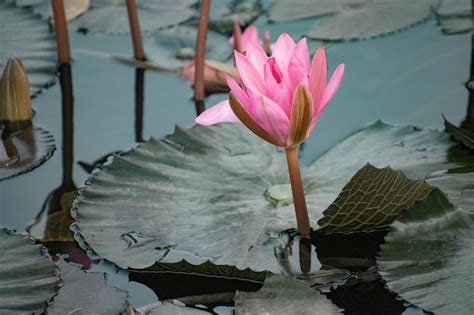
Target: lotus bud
[(15, 101), (266, 43)]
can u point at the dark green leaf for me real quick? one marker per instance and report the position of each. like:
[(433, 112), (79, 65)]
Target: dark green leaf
[(28, 278), (373, 198)]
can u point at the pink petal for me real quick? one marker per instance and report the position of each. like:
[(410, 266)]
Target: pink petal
[(241, 96), (282, 51), (250, 35), (189, 70), (318, 77), (271, 84), (248, 74), (332, 87), (270, 117), (298, 68), (219, 113), (257, 56)]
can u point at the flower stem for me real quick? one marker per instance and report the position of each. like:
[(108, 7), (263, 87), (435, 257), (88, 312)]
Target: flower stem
[(135, 30), (201, 54), (62, 37), (299, 201)]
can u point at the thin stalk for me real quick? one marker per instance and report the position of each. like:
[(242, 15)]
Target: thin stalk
[(62, 37), (299, 201), (200, 56), (135, 30), (139, 100)]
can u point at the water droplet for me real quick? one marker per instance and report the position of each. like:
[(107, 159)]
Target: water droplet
[(279, 194)]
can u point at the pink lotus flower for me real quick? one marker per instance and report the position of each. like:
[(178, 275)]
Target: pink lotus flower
[(249, 35), (282, 96)]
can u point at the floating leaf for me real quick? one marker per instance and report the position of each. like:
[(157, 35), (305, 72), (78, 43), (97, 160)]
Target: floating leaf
[(373, 198), (169, 308), (354, 19), (26, 36), (28, 279), (283, 295), (72, 8), (224, 12), (31, 147), (200, 194), (174, 47), (462, 135), (110, 16), (86, 293), (428, 255), (455, 16)]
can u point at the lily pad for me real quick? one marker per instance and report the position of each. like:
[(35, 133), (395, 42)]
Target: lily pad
[(462, 135), (284, 295), (455, 16), (31, 147), (28, 278), (192, 196), (86, 293), (174, 47), (427, 258), (110, 16), (354, 19), (224, 12), (373, 198), (169, 308), (26, 36)]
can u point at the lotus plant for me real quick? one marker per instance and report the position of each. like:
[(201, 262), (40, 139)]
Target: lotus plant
[(280, 99)]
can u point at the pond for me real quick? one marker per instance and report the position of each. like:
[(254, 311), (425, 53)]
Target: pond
[(412, 76)]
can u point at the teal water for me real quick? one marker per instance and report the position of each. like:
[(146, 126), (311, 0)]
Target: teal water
[(411, 77)]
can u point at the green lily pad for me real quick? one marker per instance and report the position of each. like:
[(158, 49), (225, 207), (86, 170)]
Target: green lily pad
[(190, 196), (224, 12), (373, 198), (462, 135), (28, 278), (72, 8), (169, 308), (174, 47), (427, 258), (284, 295), (354, 19), (86, 293), (110, 16), (26, 36), (32, 146)]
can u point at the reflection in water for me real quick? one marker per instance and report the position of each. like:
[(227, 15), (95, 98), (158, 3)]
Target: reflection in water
[(57, 236), (139, 112), (468, 122), (297, 256)]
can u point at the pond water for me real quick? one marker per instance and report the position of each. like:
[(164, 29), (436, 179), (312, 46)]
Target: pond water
[(410, 77)]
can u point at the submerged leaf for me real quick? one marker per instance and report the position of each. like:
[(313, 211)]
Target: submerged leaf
[(455, 16), (354, 19), (283, 295), (373, 198), (27, 37), (110, 16), (174, 47), (28, 279), (25, 150), (224, 12), (193, 196), (86, 293), (462, 135)]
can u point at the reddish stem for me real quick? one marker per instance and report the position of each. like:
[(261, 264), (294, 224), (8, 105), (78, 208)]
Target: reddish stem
[(135, 30), (201, 54), (62, 37), (299, 201), (237, 36)]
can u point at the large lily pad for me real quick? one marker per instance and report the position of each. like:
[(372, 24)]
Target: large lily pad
[(224, 12), (174, 47), (72, 8), (33, 147), (284, 295), (26, 36), (28, 278), (200, 194), (110, 16), (86, 293), (354, 19)]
